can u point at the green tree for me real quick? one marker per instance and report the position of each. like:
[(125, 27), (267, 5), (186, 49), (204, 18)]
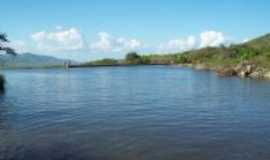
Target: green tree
[(3, 41), (7, 50), (133, 58)]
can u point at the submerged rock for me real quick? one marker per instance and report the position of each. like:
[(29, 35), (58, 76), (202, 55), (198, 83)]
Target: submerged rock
[(226, 72), (201, 67)]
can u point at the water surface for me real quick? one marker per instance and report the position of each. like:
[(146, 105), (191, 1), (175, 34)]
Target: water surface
[(133, 113)]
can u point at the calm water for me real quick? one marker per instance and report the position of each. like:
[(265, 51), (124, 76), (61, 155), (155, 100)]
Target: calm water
[(136, 113)]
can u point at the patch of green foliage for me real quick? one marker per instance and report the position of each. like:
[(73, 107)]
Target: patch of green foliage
[(106, 61), (159, 59), (256, 51), (133, 58), (252, 51)]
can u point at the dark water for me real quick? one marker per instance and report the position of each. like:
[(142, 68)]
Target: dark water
[(136, 113)]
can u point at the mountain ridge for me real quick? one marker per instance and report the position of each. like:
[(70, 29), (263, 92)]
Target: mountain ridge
[(30, 60)]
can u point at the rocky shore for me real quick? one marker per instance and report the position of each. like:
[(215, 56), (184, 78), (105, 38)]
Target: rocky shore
[(243, 70)]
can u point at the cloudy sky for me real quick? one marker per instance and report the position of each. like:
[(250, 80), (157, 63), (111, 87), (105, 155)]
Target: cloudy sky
[(92, 29)]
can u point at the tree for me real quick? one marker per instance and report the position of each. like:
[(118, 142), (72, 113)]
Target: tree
[(8, 50), (3, 40), (133, 58)]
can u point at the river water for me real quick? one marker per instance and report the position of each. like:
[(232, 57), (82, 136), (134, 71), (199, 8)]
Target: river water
[(133, 113)]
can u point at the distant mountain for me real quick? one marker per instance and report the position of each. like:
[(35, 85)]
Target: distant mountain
[(30, 60)]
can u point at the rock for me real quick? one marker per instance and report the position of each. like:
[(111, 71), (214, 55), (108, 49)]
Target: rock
[(267, 75), (245, 69), (243, 74), (226, 72), (189, 65), (200, 67), (185, 65), (249, 69), (239, 68), (256, 75)]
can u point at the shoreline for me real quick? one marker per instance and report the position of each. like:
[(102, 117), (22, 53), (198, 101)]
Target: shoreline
[(242, 70), (115, 65)]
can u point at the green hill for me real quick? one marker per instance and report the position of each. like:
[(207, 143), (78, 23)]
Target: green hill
[(256, 52), (250, 59), (261, 43)]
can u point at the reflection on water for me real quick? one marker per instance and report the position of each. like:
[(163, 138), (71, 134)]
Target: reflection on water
[(133, 113)]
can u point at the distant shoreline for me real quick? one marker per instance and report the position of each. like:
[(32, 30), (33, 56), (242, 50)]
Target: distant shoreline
[(116, 65)]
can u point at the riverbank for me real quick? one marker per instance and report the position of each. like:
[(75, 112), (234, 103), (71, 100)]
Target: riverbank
[(246, 60), (242, 70)]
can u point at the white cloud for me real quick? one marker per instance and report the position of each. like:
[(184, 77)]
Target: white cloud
[(128, 44), (206, 39), (211, 39), (59, 41), (104, 43), (108, 43), (245, 40), (179, 44), (19, 46), (67, 40)]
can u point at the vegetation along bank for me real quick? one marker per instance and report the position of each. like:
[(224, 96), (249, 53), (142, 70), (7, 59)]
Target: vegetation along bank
[(250, 59)]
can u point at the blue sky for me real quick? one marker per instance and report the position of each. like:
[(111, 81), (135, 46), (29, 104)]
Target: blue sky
[(91, 29)]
